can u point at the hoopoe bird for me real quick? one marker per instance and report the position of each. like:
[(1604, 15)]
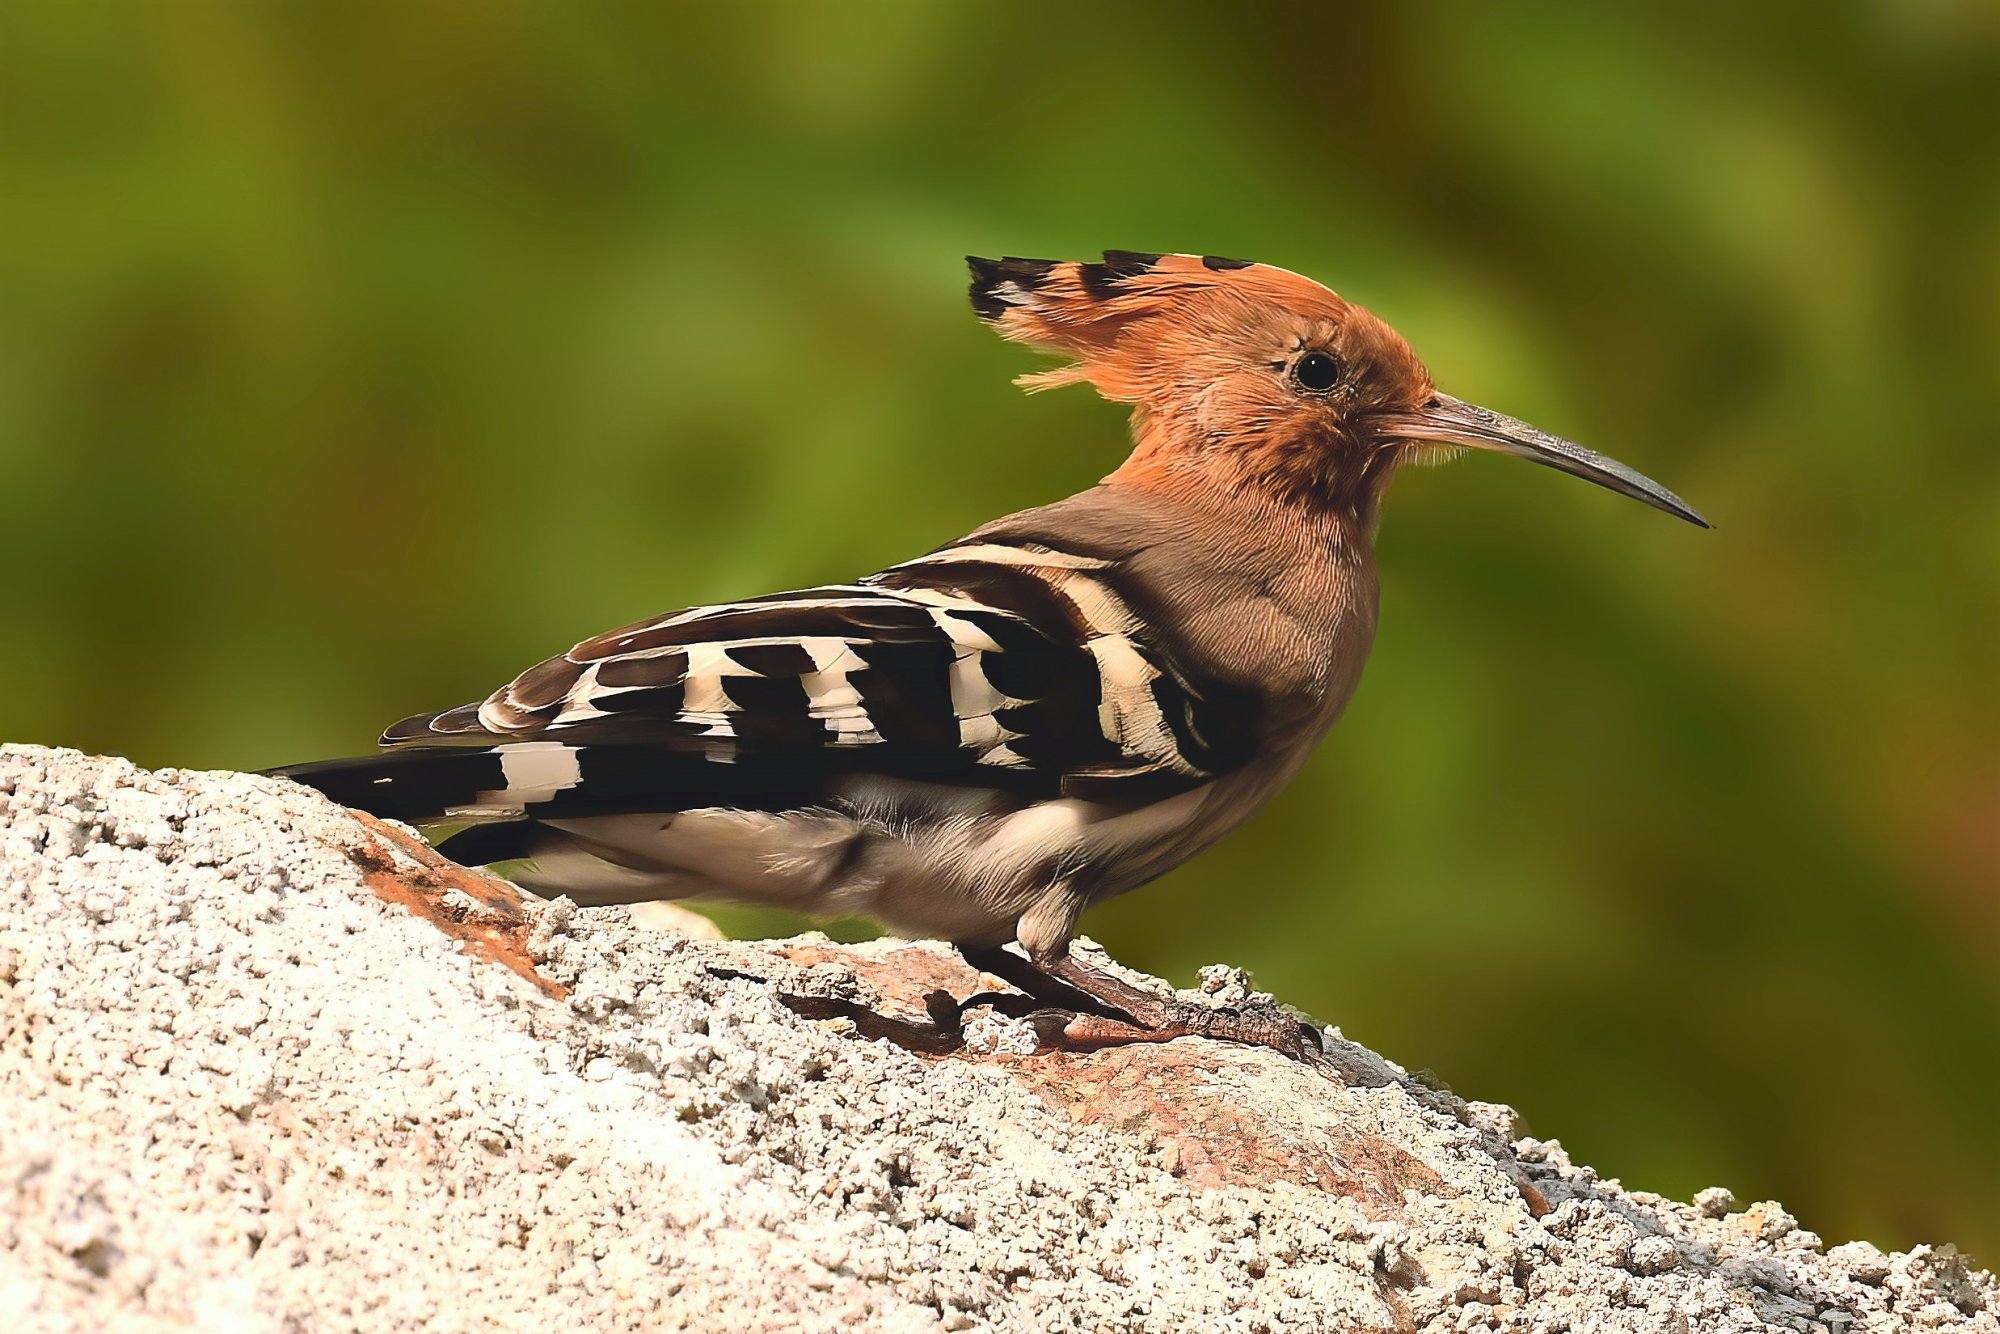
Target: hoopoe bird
[(980, 743)]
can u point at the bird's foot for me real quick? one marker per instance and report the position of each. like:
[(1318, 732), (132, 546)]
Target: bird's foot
[(1078, 1006)]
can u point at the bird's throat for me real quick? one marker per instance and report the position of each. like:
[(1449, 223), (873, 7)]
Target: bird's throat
[(1336, 484)]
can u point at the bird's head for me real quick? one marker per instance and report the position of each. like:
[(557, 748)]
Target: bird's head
[(1250, 375)]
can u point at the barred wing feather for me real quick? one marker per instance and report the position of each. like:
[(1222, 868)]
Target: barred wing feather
[(981, 663)]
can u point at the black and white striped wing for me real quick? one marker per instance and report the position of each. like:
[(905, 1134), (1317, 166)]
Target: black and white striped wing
[(980, 664)]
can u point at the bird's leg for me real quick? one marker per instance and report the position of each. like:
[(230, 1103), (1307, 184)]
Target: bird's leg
[(1031, 981), (1097, 1009)]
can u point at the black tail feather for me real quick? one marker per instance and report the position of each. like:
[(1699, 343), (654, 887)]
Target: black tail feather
[(544, 780), (415, 786)]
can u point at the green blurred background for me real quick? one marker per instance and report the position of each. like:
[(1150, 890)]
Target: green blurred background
[(354, 357)]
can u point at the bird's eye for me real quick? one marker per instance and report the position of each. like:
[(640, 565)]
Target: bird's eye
[(1316, 372)]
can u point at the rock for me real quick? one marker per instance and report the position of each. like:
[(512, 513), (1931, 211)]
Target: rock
[(1715, 1202), (266, 1064)]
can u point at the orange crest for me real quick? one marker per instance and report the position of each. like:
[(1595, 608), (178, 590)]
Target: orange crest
[(1121, 318)]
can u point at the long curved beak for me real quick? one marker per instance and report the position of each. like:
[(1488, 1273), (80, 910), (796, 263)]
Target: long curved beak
[(1450, 421)]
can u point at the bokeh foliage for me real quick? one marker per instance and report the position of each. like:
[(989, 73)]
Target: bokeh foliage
[(353, 357)]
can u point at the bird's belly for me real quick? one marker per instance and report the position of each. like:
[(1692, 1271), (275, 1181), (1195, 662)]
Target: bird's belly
[(965, 868), (927, 879), (975, 880)]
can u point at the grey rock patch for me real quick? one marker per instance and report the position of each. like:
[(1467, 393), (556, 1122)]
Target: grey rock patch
[(991, 1034)]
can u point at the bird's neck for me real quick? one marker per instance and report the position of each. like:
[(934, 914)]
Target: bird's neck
[(1330, 488)]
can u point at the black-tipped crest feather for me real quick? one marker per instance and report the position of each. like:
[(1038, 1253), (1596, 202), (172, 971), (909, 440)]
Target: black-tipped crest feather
[(990, 275)]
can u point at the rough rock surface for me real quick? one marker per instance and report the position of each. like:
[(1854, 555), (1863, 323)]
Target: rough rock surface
[(267, 1065)]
